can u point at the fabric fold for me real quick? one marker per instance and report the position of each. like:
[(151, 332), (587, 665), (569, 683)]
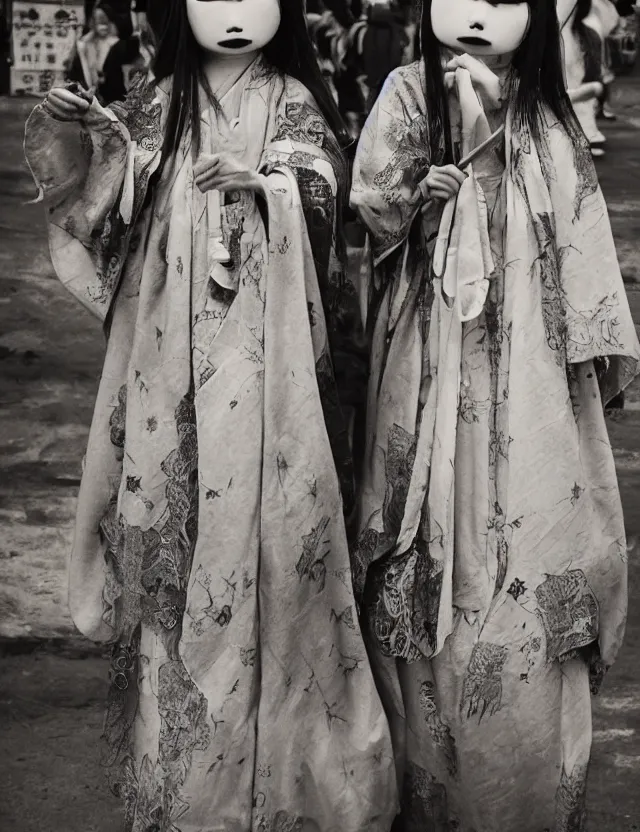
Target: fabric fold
[(491, 562), (548, 228), (210, 546)]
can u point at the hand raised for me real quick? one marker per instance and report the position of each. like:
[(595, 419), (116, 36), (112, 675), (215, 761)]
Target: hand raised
[(442, 182), (224, 172), (65, 105), (484, 80)]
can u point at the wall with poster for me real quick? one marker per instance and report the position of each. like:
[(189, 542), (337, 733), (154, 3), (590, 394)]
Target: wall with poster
[(42, 38)]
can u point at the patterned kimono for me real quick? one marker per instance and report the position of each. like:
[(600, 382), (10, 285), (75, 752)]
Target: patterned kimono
[(491, 563), (210, 546)]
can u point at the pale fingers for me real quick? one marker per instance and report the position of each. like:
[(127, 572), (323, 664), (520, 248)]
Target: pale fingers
[(203, 177), (65, 97), (441, 193), (443, 181), (454, 172), (207, 178), (228, 182), (210, 179), (441, 190), (456, 63), (206, 163), (206, 184), (465, 61), (223, 187), (221, 184), (61, 113), (215, 182), (205, 174), (61, 106), (65, 106)]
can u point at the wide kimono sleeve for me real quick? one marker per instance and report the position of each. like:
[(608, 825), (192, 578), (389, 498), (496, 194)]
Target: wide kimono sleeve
[(597, 319), (303, 154), (92, 177), (393, 157)]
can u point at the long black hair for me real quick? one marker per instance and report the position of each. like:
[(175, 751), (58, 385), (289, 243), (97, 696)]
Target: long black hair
[(177, 54), (538, 70)]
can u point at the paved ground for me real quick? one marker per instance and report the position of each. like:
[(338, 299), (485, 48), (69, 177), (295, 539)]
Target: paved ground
[(51, 683)]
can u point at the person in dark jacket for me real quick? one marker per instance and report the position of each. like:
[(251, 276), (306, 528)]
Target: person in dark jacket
[(102, 54)]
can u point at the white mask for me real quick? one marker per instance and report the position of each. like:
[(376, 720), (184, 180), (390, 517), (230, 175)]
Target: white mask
[(233, 27), (478, 27)]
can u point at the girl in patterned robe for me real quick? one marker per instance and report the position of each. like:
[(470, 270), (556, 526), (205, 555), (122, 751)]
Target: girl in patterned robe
[(491, 564), (198, 221)]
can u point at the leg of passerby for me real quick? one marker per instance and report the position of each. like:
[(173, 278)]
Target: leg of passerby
[(604, 110), (608, 77)]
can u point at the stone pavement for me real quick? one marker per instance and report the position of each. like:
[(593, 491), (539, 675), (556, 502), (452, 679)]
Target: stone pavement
[(52, 683)]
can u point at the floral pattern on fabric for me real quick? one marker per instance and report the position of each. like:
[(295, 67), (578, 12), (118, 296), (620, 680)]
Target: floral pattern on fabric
[(568, 610), (571, 800), (140, 113), (494, 585), (152, 794), (151, 567), (400, 123), (404, 602), (482, 692), (94, 155), (425, 801), (439, 731), (211, 511), (302, 123)]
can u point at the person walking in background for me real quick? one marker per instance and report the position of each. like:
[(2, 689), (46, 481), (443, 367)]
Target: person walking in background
[(107, 56), (359, 44), (603, 19), (587, 25), (86, 64), (125, 13), (330, 28), (383, 45), (623, 41)]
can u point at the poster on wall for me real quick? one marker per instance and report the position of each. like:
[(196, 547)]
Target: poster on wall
[(42, 40), (25, 82)]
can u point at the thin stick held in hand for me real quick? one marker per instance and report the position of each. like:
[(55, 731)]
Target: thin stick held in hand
[(473, 155)]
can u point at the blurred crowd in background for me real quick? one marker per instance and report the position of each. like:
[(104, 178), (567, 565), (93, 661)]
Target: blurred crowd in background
[(118, 42), (600, 41), (358, 43)]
